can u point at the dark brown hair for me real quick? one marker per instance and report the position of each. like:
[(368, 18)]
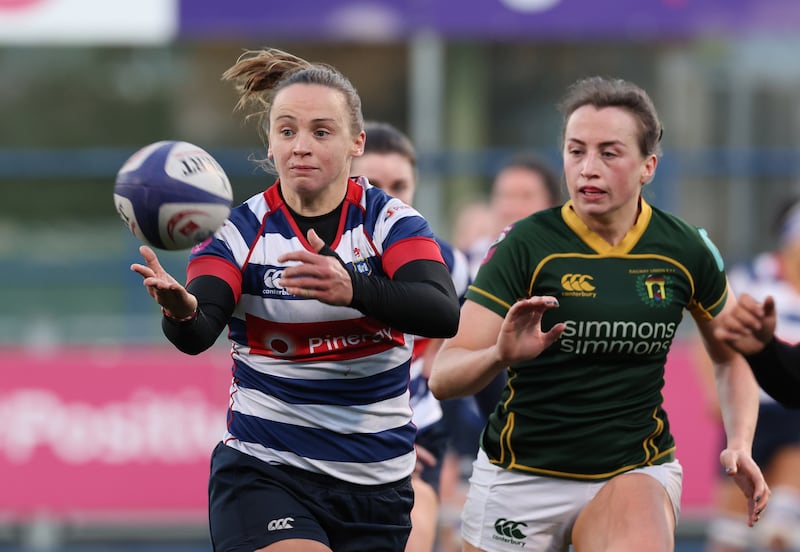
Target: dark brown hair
[(603, 92)]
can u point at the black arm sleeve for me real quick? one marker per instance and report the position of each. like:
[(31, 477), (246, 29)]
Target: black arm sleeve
[(777, 369), (420, 299), (215, 304)]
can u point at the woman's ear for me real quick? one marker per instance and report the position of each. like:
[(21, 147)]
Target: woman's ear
[(358, 146), (648, 169)]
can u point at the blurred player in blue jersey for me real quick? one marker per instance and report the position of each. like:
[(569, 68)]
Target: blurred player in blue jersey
[(390, 163), (580, 304), (320, 281)]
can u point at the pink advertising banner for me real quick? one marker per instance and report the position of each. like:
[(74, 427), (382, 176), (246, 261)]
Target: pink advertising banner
[(103, 433), (97, 430)]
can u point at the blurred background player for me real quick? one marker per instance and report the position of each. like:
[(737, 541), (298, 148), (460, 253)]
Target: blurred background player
[(776, 447), (523, 185), (390, 163)]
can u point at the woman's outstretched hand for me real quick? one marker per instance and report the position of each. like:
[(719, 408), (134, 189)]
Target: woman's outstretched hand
[(521, 336), (167, 292)]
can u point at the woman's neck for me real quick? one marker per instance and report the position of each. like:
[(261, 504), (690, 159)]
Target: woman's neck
[(614, 226), (314, 205)]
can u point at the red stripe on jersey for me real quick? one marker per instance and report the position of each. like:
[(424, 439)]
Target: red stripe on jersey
[(412, 249), (334, 340), (420, 346), (216, 266)]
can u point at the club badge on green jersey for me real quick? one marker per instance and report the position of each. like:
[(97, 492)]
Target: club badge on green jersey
[(653, 289)]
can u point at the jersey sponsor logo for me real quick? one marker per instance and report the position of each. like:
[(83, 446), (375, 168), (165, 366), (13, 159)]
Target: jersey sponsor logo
[(278, 524), (578, 285), (509, 531), (593, 337), (333, 340), (653, 289)]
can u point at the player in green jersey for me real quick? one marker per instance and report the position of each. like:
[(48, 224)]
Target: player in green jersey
[(580, 304)]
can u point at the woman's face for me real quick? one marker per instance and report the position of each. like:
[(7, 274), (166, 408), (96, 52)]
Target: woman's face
[(391, 172), (311, 141), (516, 193), (603, 166)]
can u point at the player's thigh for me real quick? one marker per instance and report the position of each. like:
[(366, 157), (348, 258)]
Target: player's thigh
[(784, 470), (424, 517), (632, 512), (730, 499), (511, 510), (467, 547)]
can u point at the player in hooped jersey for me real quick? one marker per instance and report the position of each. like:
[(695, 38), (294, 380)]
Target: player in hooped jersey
[(750, 328), (580, 304), (773, 274), (390, 163), (320, 280)]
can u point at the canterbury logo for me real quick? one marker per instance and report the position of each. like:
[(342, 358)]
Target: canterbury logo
[(577, 282), (509, 528), (278, 524)]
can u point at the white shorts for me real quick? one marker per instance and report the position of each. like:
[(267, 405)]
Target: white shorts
[(509, 510)]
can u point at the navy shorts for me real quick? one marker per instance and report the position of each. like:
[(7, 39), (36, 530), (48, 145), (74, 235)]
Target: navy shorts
[(434, 438), (253, 504), (777, 427)]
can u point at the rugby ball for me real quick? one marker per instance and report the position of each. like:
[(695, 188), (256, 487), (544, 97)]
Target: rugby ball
[(172, 194)]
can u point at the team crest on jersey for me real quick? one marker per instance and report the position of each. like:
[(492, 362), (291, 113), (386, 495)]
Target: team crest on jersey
[(653, 289), (360, 263)]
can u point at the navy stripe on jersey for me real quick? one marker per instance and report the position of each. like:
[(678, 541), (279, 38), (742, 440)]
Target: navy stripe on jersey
[(246, 223), (376, 199), (416, 226), (322, 444), (343, 392)]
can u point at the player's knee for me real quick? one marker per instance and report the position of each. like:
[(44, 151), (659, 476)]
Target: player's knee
[(730, 531), (779, 527)]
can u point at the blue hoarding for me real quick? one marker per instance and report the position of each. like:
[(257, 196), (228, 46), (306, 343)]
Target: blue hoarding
[(483, 19)]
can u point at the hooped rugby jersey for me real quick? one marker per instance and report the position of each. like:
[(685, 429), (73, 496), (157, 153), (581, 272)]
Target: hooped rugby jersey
[(762, 276), (319, 387), (590, 406)]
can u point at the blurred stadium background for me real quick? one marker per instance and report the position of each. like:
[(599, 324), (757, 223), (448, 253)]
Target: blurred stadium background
[(105, 431)]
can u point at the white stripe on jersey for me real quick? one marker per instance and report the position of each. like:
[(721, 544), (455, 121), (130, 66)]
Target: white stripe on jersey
[(349, 419), (384, 361), (364, 473)]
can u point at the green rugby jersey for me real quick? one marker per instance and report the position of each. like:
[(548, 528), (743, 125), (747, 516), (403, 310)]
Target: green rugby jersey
[(590, 406)]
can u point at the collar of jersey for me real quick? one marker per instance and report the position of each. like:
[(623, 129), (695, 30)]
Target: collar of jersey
[(600, 245)]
